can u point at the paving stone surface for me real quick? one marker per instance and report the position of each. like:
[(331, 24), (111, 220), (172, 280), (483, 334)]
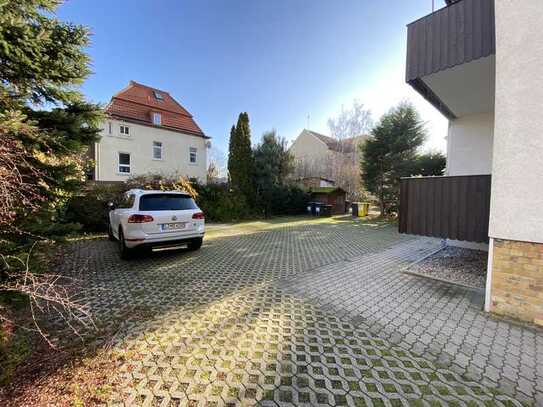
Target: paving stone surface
[(312, 314), (443, 323)]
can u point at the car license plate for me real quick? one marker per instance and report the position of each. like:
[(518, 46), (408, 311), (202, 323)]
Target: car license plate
[(172, 226)]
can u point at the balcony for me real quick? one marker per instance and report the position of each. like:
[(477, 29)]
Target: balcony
[(450, 57), (456, 207)]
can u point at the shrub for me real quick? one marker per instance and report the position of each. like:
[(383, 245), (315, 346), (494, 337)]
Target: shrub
[(284, 200), (90, 208), (220, 204), (162, 183)]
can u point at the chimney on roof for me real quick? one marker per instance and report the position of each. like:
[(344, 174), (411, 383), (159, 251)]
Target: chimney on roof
[(131, 82)]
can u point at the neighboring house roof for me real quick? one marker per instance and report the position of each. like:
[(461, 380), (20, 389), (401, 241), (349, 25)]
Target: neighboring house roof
[(346, 146), (138, 102), (326, 190), (316, 177)]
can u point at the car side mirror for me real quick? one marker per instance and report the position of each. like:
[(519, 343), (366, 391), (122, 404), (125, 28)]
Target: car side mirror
[(111, 206)]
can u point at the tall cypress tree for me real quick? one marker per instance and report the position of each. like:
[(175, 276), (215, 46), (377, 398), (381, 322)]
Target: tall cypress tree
[(232, 154), (240, 159)]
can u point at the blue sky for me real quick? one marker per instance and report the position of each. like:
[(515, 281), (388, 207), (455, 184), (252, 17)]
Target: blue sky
[(279, 60)]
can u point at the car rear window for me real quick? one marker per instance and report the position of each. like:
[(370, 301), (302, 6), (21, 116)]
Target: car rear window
[(166, 202)]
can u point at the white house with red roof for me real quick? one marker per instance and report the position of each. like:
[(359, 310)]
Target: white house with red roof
[(148, 131)]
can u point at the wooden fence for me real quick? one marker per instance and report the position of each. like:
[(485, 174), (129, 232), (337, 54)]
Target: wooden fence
[(456, 207)]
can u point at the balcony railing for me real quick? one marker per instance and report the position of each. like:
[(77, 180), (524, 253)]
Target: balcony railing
[(456, 34), (456, 207)]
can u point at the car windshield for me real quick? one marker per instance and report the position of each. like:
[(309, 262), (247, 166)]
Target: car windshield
[(166, 202)]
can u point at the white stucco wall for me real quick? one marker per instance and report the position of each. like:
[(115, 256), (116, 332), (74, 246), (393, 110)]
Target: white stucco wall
[(175, 152), (469, 145), (308, 147), (517, 183)]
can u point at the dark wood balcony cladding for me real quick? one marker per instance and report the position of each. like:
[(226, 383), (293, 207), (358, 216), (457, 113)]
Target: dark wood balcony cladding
[(456, 34), (456, 207)]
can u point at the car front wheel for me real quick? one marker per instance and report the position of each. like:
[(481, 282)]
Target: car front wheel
[(124, 251), (110, 233), (195, 244)]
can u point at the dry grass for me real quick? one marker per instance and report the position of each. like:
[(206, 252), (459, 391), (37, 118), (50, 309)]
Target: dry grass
[(215, 231), (62, 378)]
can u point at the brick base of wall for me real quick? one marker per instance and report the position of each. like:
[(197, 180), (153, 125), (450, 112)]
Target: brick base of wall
[(517, 280)]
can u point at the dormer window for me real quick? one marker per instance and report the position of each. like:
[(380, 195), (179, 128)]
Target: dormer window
[(158, 95), (157, 119)]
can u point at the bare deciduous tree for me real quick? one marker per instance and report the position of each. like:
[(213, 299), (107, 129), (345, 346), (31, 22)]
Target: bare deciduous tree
[(218, 158), (17, 174), (350, 123), (349, 128), (47, 293), (212, 172)]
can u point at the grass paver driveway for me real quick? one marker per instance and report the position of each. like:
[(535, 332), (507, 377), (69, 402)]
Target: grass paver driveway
[(289, 312)]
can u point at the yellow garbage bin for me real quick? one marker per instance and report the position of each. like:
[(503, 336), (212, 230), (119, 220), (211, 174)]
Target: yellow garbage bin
[(363, 209)]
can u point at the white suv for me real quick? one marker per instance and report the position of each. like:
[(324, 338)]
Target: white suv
[(156, 219)]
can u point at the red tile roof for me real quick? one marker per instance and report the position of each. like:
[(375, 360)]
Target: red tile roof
[(138, 102)]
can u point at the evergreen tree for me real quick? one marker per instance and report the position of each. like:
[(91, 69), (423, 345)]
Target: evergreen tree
[(240, 159), (430, 164), (391, 153), (45, 124), (45, 129), (273, 163)]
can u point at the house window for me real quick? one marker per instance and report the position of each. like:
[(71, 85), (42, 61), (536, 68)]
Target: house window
[(157, 150), (124, 163), (158, 95), (157, 119), (109, 127), (192, 155), (124, 130)]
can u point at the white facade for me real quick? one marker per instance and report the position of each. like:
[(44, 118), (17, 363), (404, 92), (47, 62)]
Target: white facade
[(507, 141), (150, 150), (469, 145), (496, 127), (310, 149), (517, 171), (317, 155)]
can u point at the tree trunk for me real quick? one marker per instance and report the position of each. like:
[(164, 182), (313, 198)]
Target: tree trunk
[(381, 193)]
